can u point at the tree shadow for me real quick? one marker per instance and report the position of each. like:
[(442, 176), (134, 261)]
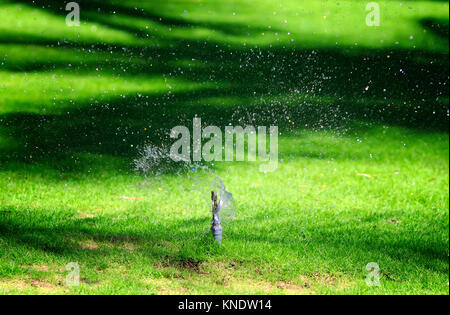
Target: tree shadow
[(90, 240), (99, 12), (120, 127), (93, 240), (294, 88), (406, 248), (339, 90), (438, 27)]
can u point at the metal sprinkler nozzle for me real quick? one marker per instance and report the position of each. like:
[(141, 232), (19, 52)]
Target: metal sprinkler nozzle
[(216, 226)]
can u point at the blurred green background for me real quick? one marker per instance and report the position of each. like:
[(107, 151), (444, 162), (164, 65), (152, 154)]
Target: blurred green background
[(364, 155)]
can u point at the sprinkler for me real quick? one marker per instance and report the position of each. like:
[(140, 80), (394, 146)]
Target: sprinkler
[(216, 226)]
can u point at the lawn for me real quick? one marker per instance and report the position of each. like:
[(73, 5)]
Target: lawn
[(363, 173)]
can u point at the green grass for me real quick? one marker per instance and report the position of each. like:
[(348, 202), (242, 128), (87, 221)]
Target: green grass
[(363, 172)]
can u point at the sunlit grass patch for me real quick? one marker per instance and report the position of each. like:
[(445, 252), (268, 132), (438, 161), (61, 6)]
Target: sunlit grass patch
[(59, 91), (23, 23)]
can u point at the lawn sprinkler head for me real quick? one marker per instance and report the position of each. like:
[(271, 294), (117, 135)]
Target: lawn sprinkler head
[(216, 226), (223, 210)]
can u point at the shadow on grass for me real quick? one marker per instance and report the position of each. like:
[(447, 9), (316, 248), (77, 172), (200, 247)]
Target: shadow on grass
[(97, 10), (91, 241), (122, 127), (438, 27), (327, 89)]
